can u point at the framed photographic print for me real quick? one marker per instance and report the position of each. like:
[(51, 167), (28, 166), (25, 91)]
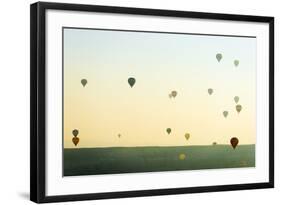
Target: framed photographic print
[(129, 102)]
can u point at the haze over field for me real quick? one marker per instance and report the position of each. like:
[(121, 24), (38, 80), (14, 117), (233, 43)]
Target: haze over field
[(108, 112)]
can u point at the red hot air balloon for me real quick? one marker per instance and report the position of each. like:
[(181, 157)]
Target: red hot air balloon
[(75, 140), (234, 142)]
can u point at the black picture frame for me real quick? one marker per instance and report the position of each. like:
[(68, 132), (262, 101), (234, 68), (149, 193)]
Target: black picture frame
[(38, 97)]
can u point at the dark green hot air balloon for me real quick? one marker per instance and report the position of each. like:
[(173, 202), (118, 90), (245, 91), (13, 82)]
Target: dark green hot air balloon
[(225, 113), (236, 63), (187, 136), (131, 81), (84, 82), (219, 57), (174, 93), (238, 108), (210, 91), (236, 99), (75, 132), (168, 130)]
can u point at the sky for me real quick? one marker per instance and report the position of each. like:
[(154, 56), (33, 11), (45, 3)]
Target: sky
[(160, 63)]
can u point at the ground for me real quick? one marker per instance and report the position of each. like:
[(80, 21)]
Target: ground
[(91, 161)]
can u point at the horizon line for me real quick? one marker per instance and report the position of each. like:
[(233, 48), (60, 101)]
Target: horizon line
[(156, 146)]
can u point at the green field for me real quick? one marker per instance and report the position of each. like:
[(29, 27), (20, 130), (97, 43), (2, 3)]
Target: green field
[(90, 161)]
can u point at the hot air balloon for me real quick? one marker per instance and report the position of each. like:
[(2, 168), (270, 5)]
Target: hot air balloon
[(234, 142), (174, 93), (238, 108), (119, 135), (236, 63), (236, 99), (219, 57), (210, 91), (214, 143), (182, 156), (83, 82), (225, 113), (187, 136), (75, 140), (131, 81), (168, 130), (75, 132)]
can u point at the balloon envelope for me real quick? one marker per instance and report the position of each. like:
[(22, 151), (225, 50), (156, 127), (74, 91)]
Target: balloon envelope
[(234, 142), (187, 136), (84, 82), (210, 91), (219, 57), (119, 135), (131, 81), (225, 113), (174, 93), (236, 99), (238, 108), (75, 140), (236, 63), (75, 132), (168, 130), (182, 156)]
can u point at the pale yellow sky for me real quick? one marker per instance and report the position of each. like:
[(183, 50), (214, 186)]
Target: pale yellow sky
[(160, 63)]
